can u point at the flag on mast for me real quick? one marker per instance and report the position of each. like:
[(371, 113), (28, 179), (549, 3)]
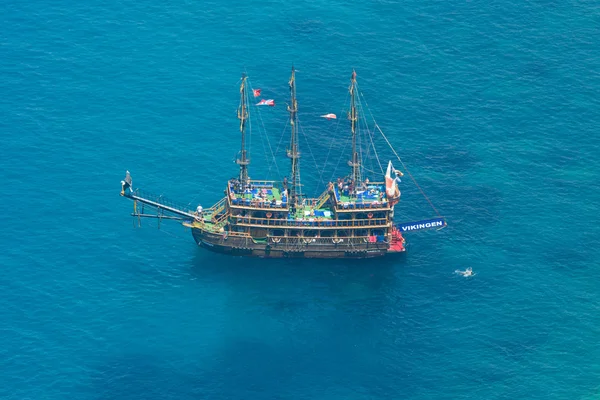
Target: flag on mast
[(264, 102), (329, 116), (256, 92)]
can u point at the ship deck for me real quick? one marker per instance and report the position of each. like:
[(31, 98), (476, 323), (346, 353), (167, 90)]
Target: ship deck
[(263, 194), (308, 213), (372, 196)]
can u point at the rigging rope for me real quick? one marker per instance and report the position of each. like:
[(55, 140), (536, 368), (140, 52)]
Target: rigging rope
[(370, 136), (305, 136), (279, 144), (337, 125), (274, 160), (406, 169), (338, 163), (364, 121), (399, 159)]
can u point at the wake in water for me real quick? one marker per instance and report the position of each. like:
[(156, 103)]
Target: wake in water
[(466, 273)]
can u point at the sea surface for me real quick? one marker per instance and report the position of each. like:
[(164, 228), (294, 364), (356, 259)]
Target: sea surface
[(493, 107)]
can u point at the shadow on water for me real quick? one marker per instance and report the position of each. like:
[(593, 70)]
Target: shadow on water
[(372, 275), (149, 377), (241, 370), (287, 321), (304, 293)]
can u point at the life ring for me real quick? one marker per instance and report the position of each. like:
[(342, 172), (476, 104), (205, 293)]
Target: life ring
[(269, 215), (276, 239), (370, 215)]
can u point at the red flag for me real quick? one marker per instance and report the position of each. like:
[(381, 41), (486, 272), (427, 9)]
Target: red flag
[(256, 92), (266, 103)]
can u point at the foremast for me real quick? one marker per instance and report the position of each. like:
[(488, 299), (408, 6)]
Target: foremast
[(295, 188), (243, 160), (355, 162)]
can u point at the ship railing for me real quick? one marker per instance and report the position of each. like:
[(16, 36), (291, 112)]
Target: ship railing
[(349, 206), (240, 202), (214, 211), (220, 219), (258, 205), (318, 202), (261, 184), (372, 185), (322, 199), (239, 234), (254, 184), (360, 198), (325, 223), (218, 207)]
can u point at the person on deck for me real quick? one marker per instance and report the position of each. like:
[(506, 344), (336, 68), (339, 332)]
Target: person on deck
[(398, 175), (365, 184)]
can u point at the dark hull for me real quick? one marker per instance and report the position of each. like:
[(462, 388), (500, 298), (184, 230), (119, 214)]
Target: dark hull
[(240, 246)]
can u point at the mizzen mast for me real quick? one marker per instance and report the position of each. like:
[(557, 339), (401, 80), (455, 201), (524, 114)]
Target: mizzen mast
[(243, 160), (293, 153), (353, 117)]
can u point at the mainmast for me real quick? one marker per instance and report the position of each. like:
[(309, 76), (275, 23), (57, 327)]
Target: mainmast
[(293, 153), (243, 160), (353, 117)]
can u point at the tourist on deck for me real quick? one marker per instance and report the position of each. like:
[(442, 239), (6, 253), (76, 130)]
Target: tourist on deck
[(364, 185), (398, 174)]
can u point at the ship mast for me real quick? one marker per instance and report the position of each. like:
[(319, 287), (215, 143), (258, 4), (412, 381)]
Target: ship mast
[(293, 153), (243, 160), (353, 117)]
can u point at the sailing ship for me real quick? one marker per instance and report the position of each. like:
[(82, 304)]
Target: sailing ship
[(352, 218)]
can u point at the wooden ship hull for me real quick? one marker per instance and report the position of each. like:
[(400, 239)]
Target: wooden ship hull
[(288, 248), (352, 218), (317, 230)]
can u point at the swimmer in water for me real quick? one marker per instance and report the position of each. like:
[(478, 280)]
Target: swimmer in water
[(466, 273)]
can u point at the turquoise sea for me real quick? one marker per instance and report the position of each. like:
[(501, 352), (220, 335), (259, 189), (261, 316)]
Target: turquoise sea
[(493, 106)]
